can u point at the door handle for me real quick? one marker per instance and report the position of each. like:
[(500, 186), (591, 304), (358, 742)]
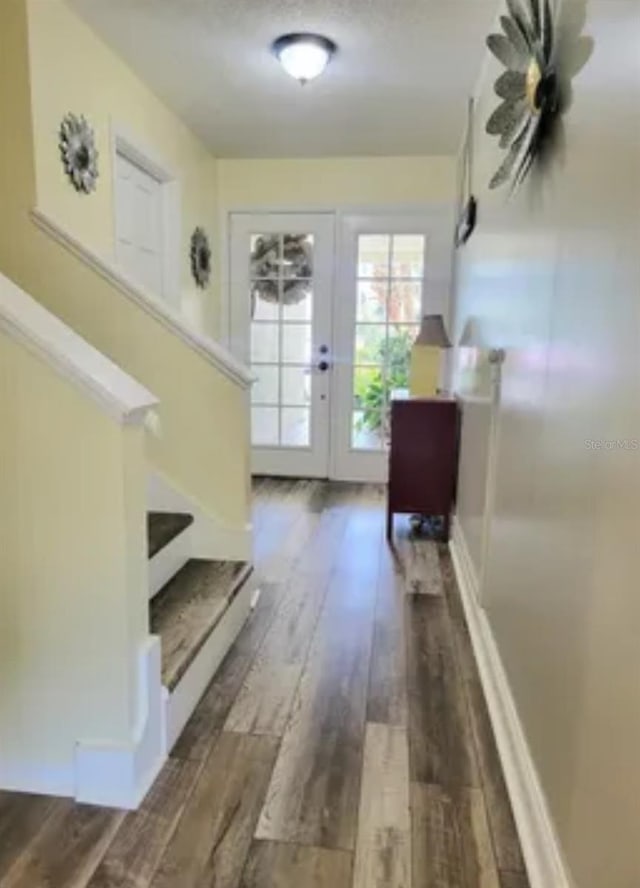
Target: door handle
[(323, 366)]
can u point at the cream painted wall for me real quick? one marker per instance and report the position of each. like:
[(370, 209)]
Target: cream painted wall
[(73, 609), (201, 411), (331, 182), (553, 275), (74, 70)]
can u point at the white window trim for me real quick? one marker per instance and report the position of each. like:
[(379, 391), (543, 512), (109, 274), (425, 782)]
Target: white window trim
[(126, 143)]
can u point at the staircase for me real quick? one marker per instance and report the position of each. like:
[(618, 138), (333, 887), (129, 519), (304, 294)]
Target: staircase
[(197, 607)]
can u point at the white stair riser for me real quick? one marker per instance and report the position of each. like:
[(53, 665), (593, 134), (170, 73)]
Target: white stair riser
[(166, 563), (185, 696)]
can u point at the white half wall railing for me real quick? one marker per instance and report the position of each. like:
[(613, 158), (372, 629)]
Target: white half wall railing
[(81, 708), (216, 354), (27, 321)]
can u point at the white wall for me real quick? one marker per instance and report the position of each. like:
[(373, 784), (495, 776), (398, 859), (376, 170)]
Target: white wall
[(553, 276)]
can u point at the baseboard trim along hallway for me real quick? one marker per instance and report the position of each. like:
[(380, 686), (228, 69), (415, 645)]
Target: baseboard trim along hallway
[(540, 845)]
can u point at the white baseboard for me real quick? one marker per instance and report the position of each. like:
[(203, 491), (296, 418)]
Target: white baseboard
[(210, 536), (37, 779), (541, 848), (166, 563), (185, 696), (120, 775)]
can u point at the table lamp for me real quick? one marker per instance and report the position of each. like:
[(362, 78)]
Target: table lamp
[(426, 357)]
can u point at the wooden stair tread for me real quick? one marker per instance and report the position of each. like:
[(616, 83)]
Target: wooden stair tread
[(186, 611), (162, 527)]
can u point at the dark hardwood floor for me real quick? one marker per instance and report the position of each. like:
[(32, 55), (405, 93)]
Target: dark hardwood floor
[(344, 743)]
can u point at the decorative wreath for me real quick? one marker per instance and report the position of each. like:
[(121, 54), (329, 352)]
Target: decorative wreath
[(295, 264), (200, 257), (79, 153)]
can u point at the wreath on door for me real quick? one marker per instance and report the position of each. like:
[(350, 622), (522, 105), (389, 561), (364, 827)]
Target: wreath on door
[(281, 278)]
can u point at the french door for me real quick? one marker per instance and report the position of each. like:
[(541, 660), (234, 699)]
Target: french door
[(281, 296), (327, 325)]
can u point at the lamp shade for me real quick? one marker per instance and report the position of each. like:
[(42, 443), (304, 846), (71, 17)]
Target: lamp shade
[(432, 332)]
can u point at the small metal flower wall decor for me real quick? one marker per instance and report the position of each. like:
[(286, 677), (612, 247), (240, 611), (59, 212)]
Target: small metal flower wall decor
[(200, 257), (529, 88), (269, 268), (79, 153)]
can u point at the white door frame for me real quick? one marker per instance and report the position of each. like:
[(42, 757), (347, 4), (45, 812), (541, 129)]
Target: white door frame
[(127, 144)]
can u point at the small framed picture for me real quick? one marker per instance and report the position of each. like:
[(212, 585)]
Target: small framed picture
[(467, 203), (466, 221)]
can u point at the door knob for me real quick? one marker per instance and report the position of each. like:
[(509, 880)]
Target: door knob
[(323, 366)]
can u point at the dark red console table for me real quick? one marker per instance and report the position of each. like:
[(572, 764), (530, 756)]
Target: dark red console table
[(423, 458)]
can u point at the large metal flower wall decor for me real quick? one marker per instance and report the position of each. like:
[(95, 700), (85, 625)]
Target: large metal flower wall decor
[(279, 274), (200, 255), (529, 88), (79, 153)]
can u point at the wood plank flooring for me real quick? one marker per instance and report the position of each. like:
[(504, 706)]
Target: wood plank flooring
[(344, 743), (383, 850)]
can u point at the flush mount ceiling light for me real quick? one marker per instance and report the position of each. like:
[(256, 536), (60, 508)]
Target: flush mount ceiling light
[(304, 56)]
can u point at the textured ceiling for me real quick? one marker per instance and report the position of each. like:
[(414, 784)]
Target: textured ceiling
[(397, 86)]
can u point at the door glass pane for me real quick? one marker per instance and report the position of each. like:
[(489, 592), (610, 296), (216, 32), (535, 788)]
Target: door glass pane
[(297, 301), (265, 389), (370, 341), (374, 255), (264, 426), (296, 343), (295, 426), (405, 302), (372, 301), (297, 261), (263, 310), (408, 256), (265, 348), (296, 385), (367, 431), (368, 388), (266, 256), (398, 355)]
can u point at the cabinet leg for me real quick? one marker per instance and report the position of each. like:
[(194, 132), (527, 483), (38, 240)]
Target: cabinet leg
[(389, 524), (446, 527)]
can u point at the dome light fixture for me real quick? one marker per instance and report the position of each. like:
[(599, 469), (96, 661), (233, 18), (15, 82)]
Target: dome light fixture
[(304, 56)]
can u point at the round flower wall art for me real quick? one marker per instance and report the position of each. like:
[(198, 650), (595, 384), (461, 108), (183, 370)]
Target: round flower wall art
[(200, 254), (540, 53), (78, 152)]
